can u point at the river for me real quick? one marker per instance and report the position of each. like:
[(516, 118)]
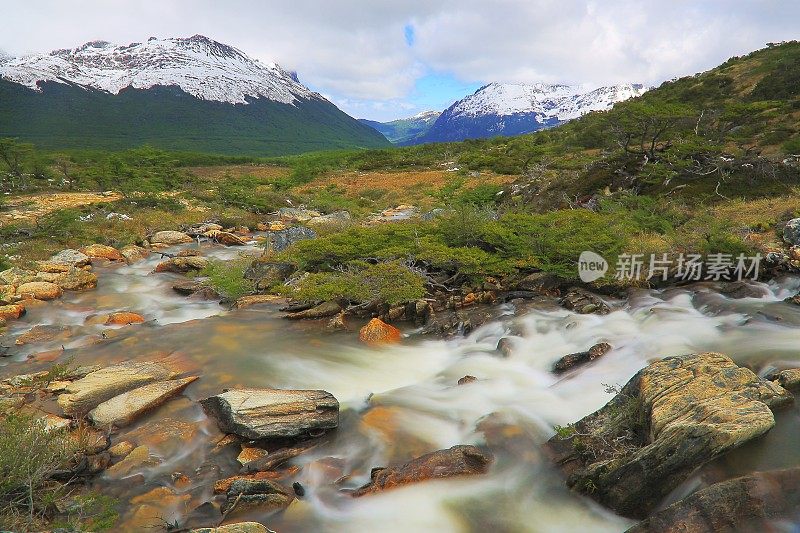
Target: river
[(401, 401)]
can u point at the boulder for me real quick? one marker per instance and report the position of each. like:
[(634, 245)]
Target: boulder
[(71, 257), (196, 289), (457, 461), (200, 229), (789, 379), (376, 331), (466, 380), (266, 273), (182, 265), (270, 413), (224, 237), (791, 232), (74, 279), (250, 300), (238, 527), (13, 311), (261, 494), (101, 251), (41, 290), (17, 276), (121, 410), (48, 267), (580, 358), (96, 387), (278, 241), (671, 417), (123, 318), (7, 293), (584, 302), (170, 238), (756, 502), (322, 310), (133, 253)]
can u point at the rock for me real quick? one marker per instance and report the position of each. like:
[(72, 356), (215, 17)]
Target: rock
[(200, 229), (54, 423), (580, 358), (239, 527), (95, 388), (278, 241), (40, 290), (540, 283), (276, 458), (133, 253), (394, 214), (756, 502), (44, 333), (789, 379), (505, 347), (170, 238), (379, 332), (269, 413), (182, 265), (71, 257), (266, 273), (584, 302), (457, 461), (17, 276), (74, 279), (671, 417), (123, 318), (467, 379), (250, 454), (223, 237), (337, 322), (101, 251), (337, 217), (196, 289), (322, 310), (47, 267), (263, 494), (299, 215), (244, 302), (791, 232), (139, 457), (7, 294), (121, 449), (121, 410)]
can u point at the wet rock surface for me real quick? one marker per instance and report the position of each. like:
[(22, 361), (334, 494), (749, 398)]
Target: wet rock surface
[(757, 502), (377, 332), (456, 461), (273, 413), (573, 360), (182, 265), (123, 409), (584, 302), (671, 417)]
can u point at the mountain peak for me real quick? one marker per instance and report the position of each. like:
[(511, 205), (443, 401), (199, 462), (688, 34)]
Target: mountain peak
[(200, 66)]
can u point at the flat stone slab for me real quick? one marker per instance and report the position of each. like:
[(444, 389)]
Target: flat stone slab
[(95, 388), (273, 413), (123, 409)]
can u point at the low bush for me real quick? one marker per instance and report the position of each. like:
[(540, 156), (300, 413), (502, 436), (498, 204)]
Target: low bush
[(227, 277)]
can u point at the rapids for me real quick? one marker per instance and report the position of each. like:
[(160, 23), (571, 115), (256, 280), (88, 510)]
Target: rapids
[(411, 389)]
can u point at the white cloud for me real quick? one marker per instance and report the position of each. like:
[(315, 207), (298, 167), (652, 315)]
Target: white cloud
[(355, 50)]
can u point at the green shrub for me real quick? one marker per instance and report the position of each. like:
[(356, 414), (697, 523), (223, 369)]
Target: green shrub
[(390, 282), (227, 277)]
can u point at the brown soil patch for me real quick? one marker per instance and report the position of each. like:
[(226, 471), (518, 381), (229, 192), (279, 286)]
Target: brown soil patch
[(356, 182)]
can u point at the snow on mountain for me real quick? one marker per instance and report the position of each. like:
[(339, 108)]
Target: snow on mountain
[(200, 66), (425, 116), (547, 101)]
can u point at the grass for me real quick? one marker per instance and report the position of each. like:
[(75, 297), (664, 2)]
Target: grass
[(227, 277)]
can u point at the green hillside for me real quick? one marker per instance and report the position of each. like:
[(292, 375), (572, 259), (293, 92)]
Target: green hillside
[(64, 116)]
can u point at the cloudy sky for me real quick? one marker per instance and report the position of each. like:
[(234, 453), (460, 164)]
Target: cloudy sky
[(384, 59)]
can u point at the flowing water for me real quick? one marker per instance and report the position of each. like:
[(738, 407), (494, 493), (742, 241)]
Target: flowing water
[(402, 401)]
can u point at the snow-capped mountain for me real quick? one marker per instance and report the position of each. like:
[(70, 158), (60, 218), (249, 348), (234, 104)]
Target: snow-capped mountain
[(405, 130), (200, 66), (182, 93), (514, 108)]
